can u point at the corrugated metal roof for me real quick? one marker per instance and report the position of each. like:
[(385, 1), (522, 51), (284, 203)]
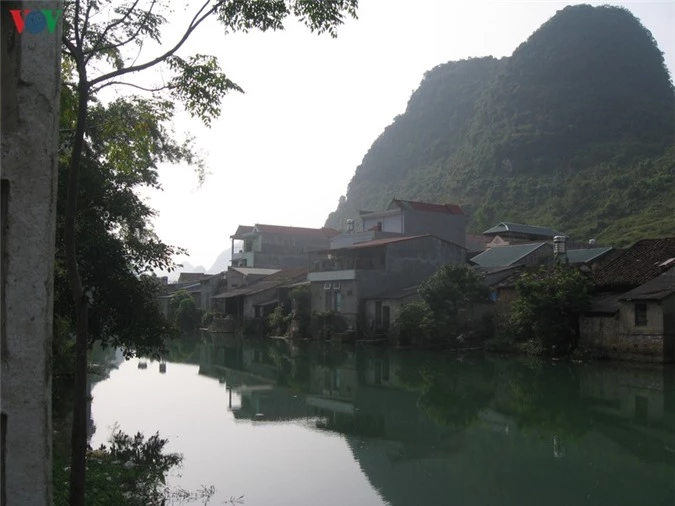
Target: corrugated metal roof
[(518, 228), (505, 255), (582, 256)]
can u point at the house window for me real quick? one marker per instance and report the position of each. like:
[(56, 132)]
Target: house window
[(338, 302), (640, 315)]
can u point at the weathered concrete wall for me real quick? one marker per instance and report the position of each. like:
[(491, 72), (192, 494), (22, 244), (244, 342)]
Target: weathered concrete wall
[(654, 318), (451, 227), (411, 262), (348, 239), (598, 331), (30, 106), (618, 337)]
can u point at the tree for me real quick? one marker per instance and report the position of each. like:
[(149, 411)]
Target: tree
[(448, 290), (98, 38), (548, 306)]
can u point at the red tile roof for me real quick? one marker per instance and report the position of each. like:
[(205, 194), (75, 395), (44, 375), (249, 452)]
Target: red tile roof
[(640, 263), (425, 206), (278, 229)]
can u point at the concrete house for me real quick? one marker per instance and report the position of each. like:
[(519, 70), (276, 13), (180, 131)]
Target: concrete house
[(506, 234), (632, 309), (406, 218), (341, 280), (273, 246)]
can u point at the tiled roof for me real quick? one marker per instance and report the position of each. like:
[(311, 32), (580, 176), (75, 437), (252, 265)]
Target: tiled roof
[(278, 229), (192, 276), (585, 255), (425, 206), (241, 230), (505, 255), (518, 228), (495, 275), (654, 289), (640, 263)]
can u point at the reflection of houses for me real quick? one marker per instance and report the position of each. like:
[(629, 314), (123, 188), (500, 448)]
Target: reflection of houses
[(273, 246), (409, 218), (632, 312), (342, 279)]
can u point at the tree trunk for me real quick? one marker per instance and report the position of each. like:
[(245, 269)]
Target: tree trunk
[(79, 429)]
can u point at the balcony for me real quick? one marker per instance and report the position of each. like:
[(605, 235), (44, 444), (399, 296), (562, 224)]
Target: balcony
[(342, 275)]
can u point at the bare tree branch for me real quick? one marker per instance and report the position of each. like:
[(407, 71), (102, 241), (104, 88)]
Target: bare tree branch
[(196, 21), (109, 27), (78, 39), (85, 25), (122, 83), (125, 42)]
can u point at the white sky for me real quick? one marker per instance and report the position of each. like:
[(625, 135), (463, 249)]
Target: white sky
[(284, 152)]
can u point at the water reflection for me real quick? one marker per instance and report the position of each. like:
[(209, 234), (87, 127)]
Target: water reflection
[(445, 429)]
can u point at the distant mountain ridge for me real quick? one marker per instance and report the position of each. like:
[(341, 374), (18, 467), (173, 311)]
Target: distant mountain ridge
[(574, 131)]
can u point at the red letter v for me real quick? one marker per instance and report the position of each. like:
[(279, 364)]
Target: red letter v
[(19, 21)]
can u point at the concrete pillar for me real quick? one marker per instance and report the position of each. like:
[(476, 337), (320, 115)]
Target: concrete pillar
[(30, 105)]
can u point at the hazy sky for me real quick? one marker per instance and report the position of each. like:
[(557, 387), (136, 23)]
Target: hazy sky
[(284, 152)]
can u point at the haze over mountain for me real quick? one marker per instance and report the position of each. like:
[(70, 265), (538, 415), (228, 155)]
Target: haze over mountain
[(222, 262), (575, 130)]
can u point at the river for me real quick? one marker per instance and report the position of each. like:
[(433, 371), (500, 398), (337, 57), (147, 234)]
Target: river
[(284, 423)]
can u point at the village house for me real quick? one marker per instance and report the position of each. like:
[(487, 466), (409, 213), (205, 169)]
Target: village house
[(237, 278), (259, 296), (405, 218), (633, 306), (198, 285), (274, 246), (341, 280)]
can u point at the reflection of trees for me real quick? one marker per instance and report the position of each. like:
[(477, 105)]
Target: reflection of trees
[(453, 392), (184, 350), (544, 397)]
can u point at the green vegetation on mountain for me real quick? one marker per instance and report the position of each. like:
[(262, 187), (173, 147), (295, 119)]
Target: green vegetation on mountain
[(575, 130)]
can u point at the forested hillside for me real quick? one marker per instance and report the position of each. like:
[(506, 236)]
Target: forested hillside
[(575, 130)]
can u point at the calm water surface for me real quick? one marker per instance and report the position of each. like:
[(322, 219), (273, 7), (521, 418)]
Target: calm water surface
[(300, 424)]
